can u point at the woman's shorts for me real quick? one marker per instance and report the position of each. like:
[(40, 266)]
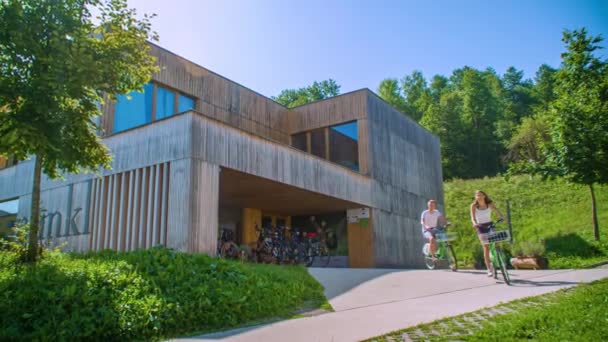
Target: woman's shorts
[(483, 230)]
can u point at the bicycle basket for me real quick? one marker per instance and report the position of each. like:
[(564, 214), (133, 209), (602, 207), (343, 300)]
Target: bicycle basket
[(497, 236), (446, 236)]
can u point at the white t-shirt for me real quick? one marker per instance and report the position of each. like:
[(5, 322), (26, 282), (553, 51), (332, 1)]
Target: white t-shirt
[(430, 219)]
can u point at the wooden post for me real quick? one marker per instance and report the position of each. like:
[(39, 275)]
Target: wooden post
[(509, 222)]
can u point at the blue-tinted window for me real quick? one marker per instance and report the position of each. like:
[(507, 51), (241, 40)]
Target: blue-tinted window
[(8, 216), (344, 145), (165, 102), (133, 112), (185, 103)]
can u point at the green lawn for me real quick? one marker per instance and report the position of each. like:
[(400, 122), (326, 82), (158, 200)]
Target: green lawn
[(552, 215), (576, 314)]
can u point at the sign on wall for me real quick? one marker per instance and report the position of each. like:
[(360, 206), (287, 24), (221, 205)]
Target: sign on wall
[(359, 216)]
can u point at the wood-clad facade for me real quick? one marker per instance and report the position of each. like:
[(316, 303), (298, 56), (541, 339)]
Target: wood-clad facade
[(232, 157)]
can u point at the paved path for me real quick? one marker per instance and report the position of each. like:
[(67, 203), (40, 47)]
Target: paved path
[(371, 302)]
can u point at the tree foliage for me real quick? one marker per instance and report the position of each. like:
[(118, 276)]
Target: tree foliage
[(317, 91), (579, 113), (488, 123), (56, 63)]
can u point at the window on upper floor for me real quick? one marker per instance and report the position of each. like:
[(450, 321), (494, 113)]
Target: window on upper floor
[(7, 162), (165, 102), (344, 145), (318, 143), (299, 141), (134, 109), (338, 143), (8, 216), (154, 103)]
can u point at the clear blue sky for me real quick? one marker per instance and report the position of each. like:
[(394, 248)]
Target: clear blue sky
[(270, 45)]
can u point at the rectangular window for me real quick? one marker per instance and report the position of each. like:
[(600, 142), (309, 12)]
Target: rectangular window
[(317, 143), (7, 162), (344, 145), (134, 111), (185, 103), (8, 216), (299, 141), (165, 102)]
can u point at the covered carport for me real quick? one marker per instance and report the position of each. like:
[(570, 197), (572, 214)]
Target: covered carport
[(247, 200)]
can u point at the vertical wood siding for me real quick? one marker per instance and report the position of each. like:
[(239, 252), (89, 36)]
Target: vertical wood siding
[(130, 208), (329, 112), (204, 201), (226, 146), (405, 164)]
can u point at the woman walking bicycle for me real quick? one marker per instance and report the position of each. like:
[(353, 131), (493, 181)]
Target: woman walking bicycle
[(481, 217)]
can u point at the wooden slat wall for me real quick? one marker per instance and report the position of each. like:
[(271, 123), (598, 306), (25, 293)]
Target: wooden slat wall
[(340, 109), (179, 211), (397, 240), (204, 201), (129, 209), (192, 219), (217, 97), (226, 146), (16, 180), (405, 164)]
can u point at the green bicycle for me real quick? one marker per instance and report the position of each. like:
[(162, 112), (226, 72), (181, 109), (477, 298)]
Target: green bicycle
[(497, 256), (444, 251)]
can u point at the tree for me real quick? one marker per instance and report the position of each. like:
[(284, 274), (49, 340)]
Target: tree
[(416, 94), (518, 101), (390, 92), (56, 63), (444, 120), (579, 116), (527, 141), (543, 90), (291, 98), (480, 111)]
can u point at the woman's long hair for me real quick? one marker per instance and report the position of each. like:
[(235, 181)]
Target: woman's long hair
[(488, 199)]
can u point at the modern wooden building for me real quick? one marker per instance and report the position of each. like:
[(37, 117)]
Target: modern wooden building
[(195, 151)]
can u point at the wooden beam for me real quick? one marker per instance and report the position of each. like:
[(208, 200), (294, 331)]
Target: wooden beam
[(327, 143)]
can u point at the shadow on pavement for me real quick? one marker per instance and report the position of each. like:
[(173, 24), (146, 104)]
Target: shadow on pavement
[(534, 283)]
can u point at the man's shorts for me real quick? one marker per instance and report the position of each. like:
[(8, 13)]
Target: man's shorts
[(428, 233)]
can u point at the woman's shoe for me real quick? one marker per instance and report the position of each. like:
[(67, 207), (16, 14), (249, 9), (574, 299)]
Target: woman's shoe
[(490, 273)]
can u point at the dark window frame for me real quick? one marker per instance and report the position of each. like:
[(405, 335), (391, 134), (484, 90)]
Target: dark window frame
[(327, 152)]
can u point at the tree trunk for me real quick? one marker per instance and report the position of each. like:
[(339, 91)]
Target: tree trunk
[(32, 252), (596, 228)]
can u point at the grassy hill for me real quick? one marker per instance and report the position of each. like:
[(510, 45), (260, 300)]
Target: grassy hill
[(553, 216)]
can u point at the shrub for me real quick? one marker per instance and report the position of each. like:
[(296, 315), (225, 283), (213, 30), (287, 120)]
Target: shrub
[(147, 294)]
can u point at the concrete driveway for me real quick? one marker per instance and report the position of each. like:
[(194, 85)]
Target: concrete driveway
[(371, 302)]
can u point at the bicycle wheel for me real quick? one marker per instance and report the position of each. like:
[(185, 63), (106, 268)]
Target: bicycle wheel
[(502, 262), (324, 255), (428, 260), (232, 251), (307, 256), (452, 258)]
